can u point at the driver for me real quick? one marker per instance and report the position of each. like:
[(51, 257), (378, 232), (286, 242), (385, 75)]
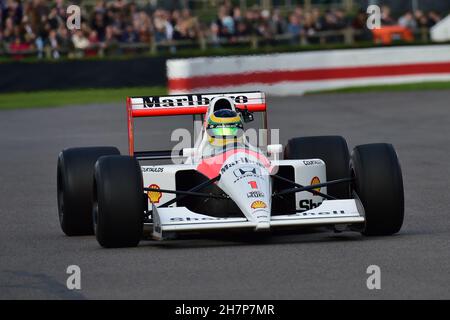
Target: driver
[(224, 127)]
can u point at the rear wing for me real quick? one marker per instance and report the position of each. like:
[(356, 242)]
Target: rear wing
[(187, 104)]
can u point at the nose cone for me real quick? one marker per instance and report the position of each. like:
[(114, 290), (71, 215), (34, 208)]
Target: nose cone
[(246, 180)]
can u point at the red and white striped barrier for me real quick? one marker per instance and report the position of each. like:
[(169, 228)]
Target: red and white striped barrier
[(295, 73)]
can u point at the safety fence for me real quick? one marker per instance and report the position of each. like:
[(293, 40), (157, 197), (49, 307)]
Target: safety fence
[(347, 36)]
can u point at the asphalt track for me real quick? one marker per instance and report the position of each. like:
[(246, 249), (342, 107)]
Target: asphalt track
[(34, 253)]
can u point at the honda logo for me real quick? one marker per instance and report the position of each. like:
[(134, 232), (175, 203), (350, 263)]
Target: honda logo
[(246, 170)]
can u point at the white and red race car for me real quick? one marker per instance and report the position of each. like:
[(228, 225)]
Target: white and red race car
[(240, 187)]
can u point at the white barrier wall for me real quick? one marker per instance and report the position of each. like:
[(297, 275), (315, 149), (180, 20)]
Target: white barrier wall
[(295, 73), (440, 32)]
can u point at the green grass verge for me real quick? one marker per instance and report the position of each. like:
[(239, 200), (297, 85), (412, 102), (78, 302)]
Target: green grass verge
[(438, 85), (73, 97), (41, 99)]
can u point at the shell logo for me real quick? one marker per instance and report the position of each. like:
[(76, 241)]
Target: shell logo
[(315, 180), (258, 204), (154, 196)]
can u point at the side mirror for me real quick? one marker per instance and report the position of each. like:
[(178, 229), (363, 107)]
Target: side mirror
[(189, 152), (275, 150)]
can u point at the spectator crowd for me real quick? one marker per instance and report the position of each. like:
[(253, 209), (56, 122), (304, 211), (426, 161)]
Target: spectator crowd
[(108, 27)]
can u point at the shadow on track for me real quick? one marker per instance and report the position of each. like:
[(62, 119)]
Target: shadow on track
[(285, 237)]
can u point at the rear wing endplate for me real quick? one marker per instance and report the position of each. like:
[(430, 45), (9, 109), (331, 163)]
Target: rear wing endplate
[(186, 104)]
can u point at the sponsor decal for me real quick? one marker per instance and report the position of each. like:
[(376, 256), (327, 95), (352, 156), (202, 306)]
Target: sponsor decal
[(181, 219), (188, 100), (253, 184), (153, 169), (319, 214), (154, 196), (322, 213), (258, 205), (308, 204), (246, 171), (312, 162), (315, 180), (247, 176), (255, 194), (240, 160)]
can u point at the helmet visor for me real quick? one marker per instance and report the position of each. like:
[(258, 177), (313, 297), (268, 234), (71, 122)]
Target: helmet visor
[(224, 131)]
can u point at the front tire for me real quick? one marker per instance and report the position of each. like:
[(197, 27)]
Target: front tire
[(75, 179), (378, 183), (118, 207), (333, 150)]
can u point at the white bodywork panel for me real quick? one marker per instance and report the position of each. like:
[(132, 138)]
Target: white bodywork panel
[(305, 171), (330, 212), (162, 177)]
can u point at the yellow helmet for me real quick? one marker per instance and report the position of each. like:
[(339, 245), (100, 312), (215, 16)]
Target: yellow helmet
[(223, 127)]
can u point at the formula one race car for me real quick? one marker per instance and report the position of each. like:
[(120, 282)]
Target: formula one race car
[(225, 182)]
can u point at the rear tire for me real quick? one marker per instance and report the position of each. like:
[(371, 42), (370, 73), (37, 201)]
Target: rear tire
[(378, 183), (333, 150), (118, 207), (75, 179)]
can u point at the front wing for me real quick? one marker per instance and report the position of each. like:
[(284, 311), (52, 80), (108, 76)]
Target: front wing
[(168, 221)]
